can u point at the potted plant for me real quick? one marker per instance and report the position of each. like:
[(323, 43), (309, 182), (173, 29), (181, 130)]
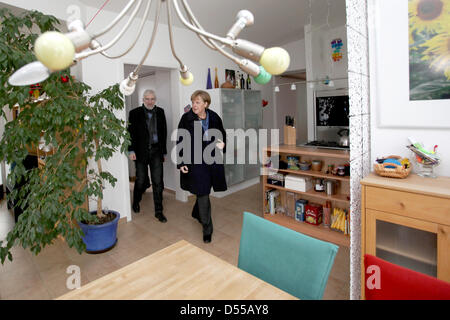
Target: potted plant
[(77, 126)]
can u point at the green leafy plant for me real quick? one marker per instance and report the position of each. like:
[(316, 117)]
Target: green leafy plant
[(79, 126)]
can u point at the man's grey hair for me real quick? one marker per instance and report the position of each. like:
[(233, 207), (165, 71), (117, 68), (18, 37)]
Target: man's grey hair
[(149, 91)]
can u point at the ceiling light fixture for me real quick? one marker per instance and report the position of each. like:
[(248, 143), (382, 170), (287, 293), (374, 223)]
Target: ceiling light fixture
[(57, 51)]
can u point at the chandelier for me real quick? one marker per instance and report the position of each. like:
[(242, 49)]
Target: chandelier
[(57, 51)]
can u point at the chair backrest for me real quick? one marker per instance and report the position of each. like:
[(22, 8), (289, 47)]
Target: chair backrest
[(291, 261), (388, 281)]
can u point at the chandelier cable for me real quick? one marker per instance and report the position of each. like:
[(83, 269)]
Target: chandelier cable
[(141, 28), (150, 45), (95, 15)]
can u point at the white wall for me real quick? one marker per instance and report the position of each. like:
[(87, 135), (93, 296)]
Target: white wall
[(393, 140), (274, 111), (319, 64), (296, 51)]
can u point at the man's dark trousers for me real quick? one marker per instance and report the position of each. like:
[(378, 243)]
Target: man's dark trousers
[(155, 162)]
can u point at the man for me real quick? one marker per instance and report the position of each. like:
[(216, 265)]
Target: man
[(148, 131)]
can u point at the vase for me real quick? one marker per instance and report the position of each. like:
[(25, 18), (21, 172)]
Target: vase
[(208, 80), (100, 238)]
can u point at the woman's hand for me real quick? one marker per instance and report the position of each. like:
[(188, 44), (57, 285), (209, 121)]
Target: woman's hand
[(184, 169), (220, 144)]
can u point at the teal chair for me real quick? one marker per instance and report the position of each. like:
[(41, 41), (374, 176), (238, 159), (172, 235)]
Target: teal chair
[(291, 261)]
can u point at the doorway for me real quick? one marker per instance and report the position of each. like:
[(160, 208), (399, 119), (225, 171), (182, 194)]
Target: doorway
[(159, 80)]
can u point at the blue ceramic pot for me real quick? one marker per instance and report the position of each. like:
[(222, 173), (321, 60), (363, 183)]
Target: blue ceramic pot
[(102, 237)]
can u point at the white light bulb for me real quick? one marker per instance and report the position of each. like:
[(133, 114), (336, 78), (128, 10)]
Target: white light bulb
[(293, 87), (29, 74), (55, 50), (275, 60), (127, 87), (277, 89), (188, 80)]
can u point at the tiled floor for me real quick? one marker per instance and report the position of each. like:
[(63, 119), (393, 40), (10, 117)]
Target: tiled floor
[(44, 276)]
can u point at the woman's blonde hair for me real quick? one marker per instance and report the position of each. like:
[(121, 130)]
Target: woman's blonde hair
[(203, 95)]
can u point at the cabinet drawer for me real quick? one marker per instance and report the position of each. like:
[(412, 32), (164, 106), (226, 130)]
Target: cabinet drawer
[(409, 204)]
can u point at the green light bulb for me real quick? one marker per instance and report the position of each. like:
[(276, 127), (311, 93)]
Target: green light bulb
[(263, 76)]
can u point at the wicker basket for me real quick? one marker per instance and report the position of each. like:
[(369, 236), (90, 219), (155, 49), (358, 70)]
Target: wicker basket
[(397, 172)]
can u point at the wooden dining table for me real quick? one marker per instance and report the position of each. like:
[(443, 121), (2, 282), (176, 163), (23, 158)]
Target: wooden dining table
[(180, 271)]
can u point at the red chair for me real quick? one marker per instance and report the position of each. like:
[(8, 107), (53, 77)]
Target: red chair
[(388, 281)]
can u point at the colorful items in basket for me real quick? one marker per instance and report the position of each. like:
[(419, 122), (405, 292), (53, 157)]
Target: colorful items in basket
[(293, 162), (313, 214), (340, 220), (393, 167)]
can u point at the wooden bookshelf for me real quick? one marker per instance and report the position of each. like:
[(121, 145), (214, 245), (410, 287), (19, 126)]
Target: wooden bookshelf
[(311, 173), (311, 193), (319, 232), (341, 199)]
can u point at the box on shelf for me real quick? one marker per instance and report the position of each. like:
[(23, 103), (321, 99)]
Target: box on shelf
[(276, 179), (313, 214), (299, 183), (292, 162), (300, 209)]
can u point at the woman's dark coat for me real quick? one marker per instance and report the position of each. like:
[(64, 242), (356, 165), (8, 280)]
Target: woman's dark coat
[(201, 177)]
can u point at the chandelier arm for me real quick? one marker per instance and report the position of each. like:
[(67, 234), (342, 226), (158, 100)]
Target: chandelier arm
[(155, 28), (195, 23), (208, 35), (115, 21), (169, 23), (244, 64), (202, 38), (141, 27), (83, 55)]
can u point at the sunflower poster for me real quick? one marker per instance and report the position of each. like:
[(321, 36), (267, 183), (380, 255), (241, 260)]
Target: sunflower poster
[(429, 49)]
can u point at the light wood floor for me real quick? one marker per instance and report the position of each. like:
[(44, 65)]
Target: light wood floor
[(44, 276)]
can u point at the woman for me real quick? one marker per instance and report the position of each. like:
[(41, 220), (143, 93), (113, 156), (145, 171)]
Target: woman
[(203, 167)]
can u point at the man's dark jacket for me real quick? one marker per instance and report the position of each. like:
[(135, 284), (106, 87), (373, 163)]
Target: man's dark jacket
[(139, 133)]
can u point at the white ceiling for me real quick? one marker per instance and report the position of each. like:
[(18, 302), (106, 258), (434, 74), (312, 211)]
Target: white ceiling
[(277, 22)]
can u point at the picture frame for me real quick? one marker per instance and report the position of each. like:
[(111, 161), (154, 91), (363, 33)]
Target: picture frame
[(230, 76), (389, 70)]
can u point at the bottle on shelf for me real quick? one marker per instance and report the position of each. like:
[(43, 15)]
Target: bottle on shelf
[(327, 214), (249, 82), (208, 80), (237, 82), (242, 81), (216, 80)]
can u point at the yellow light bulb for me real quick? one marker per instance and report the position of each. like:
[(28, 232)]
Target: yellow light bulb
[(275, 60), (188, 81), (54, 50)]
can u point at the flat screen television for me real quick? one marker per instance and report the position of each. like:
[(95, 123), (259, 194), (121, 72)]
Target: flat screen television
[(332, 109)]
